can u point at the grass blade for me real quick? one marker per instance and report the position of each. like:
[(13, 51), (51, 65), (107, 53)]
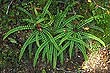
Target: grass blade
[(44, 54), (28, 20), (85, 22), (30, 51), (47, 52), (62, 16), (61, 58)]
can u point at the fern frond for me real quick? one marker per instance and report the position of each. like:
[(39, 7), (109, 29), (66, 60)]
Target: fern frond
[(51, 39), (71, 49), (62, 16), (45, 10), (71, 19), (38, 52), (85, 22), (83, 50), (62, 58), (51, 52), (63, 48), (47, 52), (88, 35), (78, 41), (17, 29), (37, 39), (65, 38), (28, 20), (30, 39), (25, 11), (54, 58), (97, 28), (44, 54)]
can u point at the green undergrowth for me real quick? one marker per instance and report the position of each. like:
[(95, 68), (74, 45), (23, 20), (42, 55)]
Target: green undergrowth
[(54, 34)]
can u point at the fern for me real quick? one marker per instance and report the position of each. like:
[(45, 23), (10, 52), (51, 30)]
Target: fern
[(83, 50), (30, 39), (51, 53), (17, 29), (38, 52), (79, 41), (57, 34), (25, 11), (71, 49), (54, 58), (45, 9), (72, 18), (84, 22), (97, 28), (52, 39), (65, 38), (63, 48), (88, 35), (61, 16)]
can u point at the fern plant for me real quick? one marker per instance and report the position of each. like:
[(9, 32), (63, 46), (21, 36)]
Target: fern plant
[(54, 34)]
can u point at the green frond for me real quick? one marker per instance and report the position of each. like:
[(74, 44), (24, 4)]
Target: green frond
[(88, 35), (44, 53), (45, 9), (60, 30), (30, 39), (28, 20), (83, 50), (72, 18), (63, 48), (65, 38), (61, 58), (51, 52), (40, 20), (25, 11), (97, 28), (59, 36), (47, 52), (71, 49), (35, 11), (17, 29), (84, 22), (38, 52), (37, 39), (51, 18), (30, 50), (54, 58), (51, 39), (79, 41), (62, 16)]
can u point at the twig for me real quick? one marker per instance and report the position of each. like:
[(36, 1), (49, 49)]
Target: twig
[(9, 6), (99, 6)]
